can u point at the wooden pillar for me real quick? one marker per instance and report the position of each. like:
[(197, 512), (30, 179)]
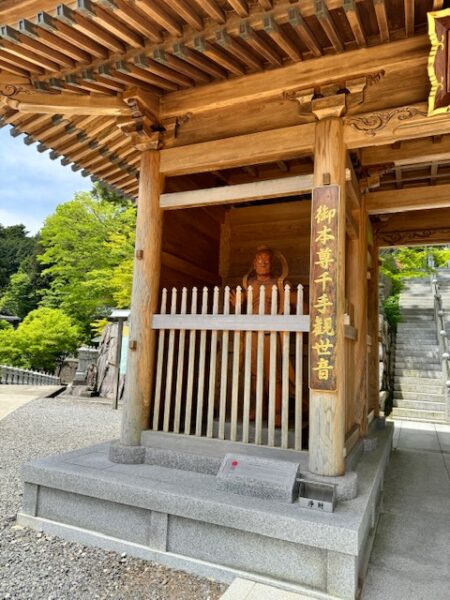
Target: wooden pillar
[(357, 294), (144, 299), (374, 364), (327, 408)]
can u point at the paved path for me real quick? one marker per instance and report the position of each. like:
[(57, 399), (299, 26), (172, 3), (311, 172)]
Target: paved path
[(14, 396), (411, 553)]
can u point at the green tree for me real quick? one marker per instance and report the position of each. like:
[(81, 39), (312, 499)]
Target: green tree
[(400, 264), (41, 341), (87, 256), (15, 246)]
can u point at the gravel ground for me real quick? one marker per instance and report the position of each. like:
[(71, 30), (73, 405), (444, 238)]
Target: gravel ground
[(38, 566)]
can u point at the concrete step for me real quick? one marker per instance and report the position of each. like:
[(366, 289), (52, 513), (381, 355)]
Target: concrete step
[(423, 325), (429, 373), (435, 407), (414, 363), (417, 332), (417, 381), (410, 345), (405, 388), (415, 352), (419, 415), (421, 395)]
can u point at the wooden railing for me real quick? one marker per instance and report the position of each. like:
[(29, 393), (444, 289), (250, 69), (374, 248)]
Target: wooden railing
[(227, 370), (14, 375)]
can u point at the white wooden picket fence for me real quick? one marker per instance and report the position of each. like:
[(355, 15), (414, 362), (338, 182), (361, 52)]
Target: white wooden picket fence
[(220, 368)]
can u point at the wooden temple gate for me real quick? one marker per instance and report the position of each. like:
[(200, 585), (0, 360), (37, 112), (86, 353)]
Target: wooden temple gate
[(229, 122)]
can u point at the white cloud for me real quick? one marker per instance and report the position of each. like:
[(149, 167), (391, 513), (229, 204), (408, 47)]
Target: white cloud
[(31, 223), (32, 185)]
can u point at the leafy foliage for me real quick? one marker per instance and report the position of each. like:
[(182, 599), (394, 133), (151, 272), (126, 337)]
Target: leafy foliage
[(88, 248), (404, 263), (44, 337), (15, 246)]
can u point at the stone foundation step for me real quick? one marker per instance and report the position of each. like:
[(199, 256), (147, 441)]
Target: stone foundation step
[(423, 373), (419, 415), (420, 406)]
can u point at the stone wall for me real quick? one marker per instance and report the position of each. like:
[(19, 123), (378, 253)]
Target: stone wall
[(106, 363)]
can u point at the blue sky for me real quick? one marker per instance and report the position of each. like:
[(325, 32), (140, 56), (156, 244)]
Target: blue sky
[(32, 185)]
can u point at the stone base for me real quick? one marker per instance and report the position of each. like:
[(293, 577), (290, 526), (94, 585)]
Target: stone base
[(126, 455), (180, 518)]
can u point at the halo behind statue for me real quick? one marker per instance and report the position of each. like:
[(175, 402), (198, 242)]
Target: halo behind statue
[(280, 279)]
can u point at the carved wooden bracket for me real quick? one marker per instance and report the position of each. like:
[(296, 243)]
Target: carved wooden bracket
[(172, 126), (439, 62), (142, 125), (334, 98), (374, 122), (370, 177)]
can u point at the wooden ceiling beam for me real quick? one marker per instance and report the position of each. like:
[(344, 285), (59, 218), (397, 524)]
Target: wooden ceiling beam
[(199, 61), (352, 14), (134, 18), (272, 29), (8, 48), (253, 39), (67, 104), (409, 17), (408, 199), (300, 26), (213, 10), (236, 49), (410, 152), (107, 21), (37, 33), (382, 20), (218, 56), (5, 66), (324, 18), (157, 67), (78, 22), (129, 80), (188, 13), (67, 33), (240, 7), (406, 55), (176, 65), (158, 14)]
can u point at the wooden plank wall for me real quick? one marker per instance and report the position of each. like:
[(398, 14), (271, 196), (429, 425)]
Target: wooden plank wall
[(190, 248), (284, 226)]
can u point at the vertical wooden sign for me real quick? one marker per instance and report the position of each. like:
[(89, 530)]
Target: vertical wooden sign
[(323, 282)]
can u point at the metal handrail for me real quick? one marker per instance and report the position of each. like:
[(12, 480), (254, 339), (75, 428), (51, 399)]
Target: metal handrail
[(441, 335), (14, 375)]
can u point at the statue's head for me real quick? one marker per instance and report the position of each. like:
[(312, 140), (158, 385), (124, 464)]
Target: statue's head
[(263, 261)]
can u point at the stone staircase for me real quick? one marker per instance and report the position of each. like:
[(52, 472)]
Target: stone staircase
[(419, 383)]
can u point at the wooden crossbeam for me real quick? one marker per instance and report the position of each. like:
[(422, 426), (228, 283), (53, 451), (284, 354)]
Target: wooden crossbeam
[(408, 199), (420, 151), (245, 192), (67, 104), (405, 55), (255, 148)]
